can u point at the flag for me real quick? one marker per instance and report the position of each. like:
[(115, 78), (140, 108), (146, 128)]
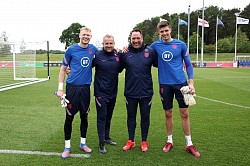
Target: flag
[(219, 22), (241, 20), (206, 24), (182, 22)]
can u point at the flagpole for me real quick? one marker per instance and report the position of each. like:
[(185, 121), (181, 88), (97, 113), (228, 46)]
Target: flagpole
[(202, 41), (235, 50), (178, 26), (216, 38), (197, 45), (188, 25)]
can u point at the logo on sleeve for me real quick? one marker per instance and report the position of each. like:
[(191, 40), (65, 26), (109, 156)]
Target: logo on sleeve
[(85, 62), (146, 53), (167, 56)]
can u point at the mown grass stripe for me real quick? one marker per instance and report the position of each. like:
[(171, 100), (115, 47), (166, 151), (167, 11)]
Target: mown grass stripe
[(218, 101), (42, 153)]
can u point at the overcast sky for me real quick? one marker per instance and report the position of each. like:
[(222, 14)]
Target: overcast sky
[(44, 20)]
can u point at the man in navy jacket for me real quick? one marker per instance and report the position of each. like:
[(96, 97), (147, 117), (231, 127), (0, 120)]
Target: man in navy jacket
[(138, 62), (107, 67)]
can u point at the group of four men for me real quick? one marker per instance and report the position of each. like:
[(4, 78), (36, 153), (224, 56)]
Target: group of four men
[(167, 54)]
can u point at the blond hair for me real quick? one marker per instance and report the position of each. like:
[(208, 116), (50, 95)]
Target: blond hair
[(85, 28)]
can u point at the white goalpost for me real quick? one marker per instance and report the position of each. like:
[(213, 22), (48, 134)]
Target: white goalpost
[(23, 64)]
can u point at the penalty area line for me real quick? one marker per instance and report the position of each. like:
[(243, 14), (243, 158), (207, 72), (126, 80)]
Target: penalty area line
[(236, 105), (42, 153)]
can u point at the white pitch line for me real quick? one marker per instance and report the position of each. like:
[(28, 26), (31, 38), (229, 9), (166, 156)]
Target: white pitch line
[(42, 153), (236, 105)]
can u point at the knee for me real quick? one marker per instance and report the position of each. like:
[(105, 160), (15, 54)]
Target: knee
[(84, 117), (184, 114), (168, 114)]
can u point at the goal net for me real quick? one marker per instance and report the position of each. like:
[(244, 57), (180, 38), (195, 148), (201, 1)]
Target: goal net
[(243, 61), (23, 64)]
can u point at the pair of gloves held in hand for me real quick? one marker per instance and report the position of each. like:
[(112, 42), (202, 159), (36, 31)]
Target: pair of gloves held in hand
[(64, 101), (188, 97)]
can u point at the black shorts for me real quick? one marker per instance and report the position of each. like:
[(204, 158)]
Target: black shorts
[(79, 99), (167, 93)]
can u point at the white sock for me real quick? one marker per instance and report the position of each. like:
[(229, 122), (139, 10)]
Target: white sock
[(83, 140), (170, 139), (188, 140), (67, 143)]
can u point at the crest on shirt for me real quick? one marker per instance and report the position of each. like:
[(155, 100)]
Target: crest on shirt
[(90, 51), (117, 59), (146, 53), (174, 46)]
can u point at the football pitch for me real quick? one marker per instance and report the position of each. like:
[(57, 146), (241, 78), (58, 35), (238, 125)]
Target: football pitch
[(31, 130)]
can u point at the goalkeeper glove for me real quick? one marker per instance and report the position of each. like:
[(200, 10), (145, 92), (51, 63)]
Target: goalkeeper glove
[(188, 97), (64, 101)]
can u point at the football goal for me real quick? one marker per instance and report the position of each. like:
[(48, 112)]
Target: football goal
[(243, 61), (23, 64)]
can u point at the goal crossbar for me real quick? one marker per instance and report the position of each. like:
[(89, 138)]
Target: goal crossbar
[(19, 66)]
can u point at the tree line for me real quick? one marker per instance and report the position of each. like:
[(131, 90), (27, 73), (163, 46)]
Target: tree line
[(226, 35)]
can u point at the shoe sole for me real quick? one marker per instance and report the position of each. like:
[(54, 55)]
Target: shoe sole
[(85, 150), (110, 143), (166, 151), (66, 156), (193, 153), (129, 148), (144, 150), (103, 152)]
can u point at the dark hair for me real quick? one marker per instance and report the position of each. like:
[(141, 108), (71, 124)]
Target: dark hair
[(163, 23), (135, 30)]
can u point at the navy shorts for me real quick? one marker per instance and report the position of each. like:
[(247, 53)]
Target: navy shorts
[(168, 92), (79, 99)]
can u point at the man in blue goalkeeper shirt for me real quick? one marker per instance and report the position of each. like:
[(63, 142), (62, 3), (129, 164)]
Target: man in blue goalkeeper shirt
[(79, 58), (138, 62), (107, 67), (171, 54)]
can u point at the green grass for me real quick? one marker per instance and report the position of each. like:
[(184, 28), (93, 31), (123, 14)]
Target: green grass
[(206, 57), (52, 57), (32, 120), (220, 56)]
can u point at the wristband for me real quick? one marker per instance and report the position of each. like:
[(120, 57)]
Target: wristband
[(60, 86)]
